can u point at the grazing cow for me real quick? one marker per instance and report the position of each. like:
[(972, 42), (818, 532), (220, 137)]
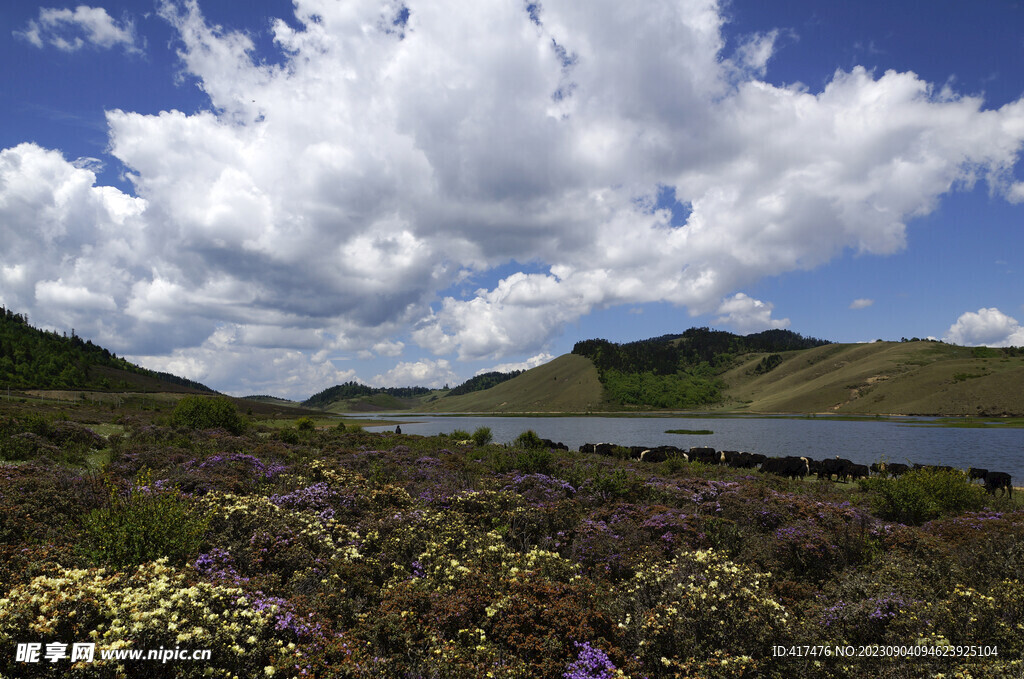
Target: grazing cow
[(999, 480), (859, 471), (897, 469), (548, 443), (793, 467), (605, 448), (637, 452), (662, 453), (706, 455), (743, 460), (978, 474), (838, 466), (893, 469), (587, 448)]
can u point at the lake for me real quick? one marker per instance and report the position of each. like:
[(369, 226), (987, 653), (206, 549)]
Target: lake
[(863, 442)]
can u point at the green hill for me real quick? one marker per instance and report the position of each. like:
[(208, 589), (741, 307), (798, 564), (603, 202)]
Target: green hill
[(569, 383), (31, 358), (356, 397), (908, 378)]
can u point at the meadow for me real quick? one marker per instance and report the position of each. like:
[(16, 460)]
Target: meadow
[(326, 551)]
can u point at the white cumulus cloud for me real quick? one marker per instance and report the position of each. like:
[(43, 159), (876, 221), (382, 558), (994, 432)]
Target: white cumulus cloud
[(861, 303), (333, 197), (424, 373), (71, 30), (532, 362), (986, 327), (746, 315)]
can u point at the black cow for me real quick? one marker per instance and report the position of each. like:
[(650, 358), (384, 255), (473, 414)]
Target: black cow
[(793, 467), (840, 467), (859, 471), (889, 468), (548, 443), (742, 460), (978, 474), (897, 469), (999, 480), (706, 455), (662, 453), (587, 448), (605, 448)]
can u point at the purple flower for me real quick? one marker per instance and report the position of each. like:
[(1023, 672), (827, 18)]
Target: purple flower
[(590, 663), (318, 497)]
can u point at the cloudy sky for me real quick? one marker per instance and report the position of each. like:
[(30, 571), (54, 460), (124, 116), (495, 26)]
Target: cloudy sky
[(275, 197)]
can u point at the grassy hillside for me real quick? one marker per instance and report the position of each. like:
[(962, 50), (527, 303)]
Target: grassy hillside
[(908, 378), (567, 384), (926, 378), (31, 358)]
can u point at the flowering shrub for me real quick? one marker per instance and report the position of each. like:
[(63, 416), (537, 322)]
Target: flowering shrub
[(150, 607), (887, 618), (696, 605), (591, 663), (994, 618), (358, 555), (275, 542)]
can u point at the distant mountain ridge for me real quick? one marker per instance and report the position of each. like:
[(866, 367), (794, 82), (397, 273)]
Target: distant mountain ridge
[(771, 372), (31, 358)]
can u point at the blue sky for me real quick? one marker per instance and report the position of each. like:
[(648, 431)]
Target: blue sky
[(274, 198)]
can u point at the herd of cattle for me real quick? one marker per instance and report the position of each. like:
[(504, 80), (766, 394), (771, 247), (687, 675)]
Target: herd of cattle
[(793, 467)]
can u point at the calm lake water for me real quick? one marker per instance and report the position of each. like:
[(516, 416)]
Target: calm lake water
[(863, 442)]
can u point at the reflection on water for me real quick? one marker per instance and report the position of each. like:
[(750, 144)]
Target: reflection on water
[(863, 442)]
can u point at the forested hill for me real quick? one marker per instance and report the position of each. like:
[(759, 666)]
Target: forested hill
[(483, 381), (679, 371), (350, 390), (665, 355), (31, 358)]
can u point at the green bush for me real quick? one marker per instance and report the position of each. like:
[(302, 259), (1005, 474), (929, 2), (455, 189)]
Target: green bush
[(289, 435), (924, 494), (528, 440), (203, 412), (142, 526), (305, 424), (482, 436), (536, 461)]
